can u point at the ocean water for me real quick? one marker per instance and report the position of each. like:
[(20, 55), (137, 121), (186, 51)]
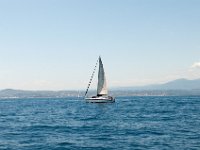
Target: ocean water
[(130, 123)]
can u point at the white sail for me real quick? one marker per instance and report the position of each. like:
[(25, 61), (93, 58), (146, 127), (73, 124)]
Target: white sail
[(102, 86)]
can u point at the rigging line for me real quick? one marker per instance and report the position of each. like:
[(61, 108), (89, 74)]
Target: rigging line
[(91, 78)]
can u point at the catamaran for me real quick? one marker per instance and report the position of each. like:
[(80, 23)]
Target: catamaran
[(102, 90)]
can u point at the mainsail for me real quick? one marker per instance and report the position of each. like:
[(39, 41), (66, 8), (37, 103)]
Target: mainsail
[(102, 86)]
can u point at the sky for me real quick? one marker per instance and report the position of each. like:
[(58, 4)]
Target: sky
[(54, 44)]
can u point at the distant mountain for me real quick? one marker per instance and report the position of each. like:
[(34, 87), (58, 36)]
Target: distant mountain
[(179, 87), (179, 84), (11, 93), (183, 84)]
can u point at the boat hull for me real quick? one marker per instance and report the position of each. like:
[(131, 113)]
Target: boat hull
[(100, 100)]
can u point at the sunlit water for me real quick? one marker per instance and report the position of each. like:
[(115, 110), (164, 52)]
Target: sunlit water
[(129, 123)]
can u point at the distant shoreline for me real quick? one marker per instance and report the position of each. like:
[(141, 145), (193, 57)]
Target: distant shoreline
[(16, 94)]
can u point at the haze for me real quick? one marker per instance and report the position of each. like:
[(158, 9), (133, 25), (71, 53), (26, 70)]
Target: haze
[(54, 44)]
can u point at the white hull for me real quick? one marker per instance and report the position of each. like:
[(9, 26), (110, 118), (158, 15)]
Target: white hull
[(100, 100)]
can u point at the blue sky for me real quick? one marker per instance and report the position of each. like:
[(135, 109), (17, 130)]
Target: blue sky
[(54, 44)]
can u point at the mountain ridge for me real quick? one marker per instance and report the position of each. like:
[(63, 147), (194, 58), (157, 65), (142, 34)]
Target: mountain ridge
[(178, 84), (179, 87)]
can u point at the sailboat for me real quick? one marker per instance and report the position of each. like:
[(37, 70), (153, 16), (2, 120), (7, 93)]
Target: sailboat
[(102, 90)]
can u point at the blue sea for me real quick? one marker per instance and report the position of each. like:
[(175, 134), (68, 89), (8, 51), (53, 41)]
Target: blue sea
[(129, 123)]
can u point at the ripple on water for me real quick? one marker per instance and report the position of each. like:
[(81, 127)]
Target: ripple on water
[(130, 123)]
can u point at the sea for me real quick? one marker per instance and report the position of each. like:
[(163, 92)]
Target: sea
[(141, 123)]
